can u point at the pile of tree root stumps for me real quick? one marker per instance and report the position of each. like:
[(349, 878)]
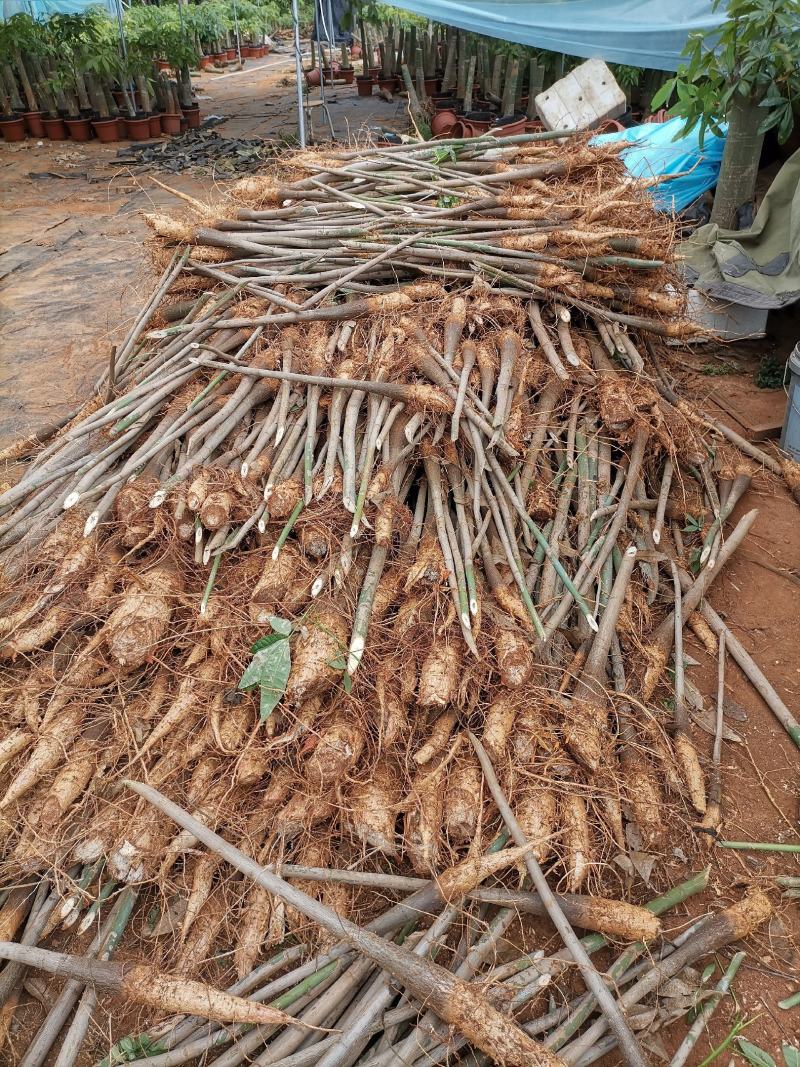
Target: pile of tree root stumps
[(342, 628)]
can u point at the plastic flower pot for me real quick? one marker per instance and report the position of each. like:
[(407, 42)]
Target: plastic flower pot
[(247, 51), (230, 53), (347, 74), (431, 85), (79, 129), (313, 77), (364, 84), (138, 128), (192, 115), (106, 130), (508, 126), (479, 121), (206, 62), (533, 126), (443, 122), (374, 73), (389, 85), (13, 129), (265, 50), (171, 124), (162, 64), (119, 97), (155, 125), (446, 103), (33, 123), (54, 129), (184, 124)]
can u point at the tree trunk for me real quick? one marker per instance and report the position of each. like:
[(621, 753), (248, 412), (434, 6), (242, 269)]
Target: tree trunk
[(27, 88), (184, 87), (111, 103), (83, 97), (144, 93), (96, 96), (737, 177), (11, 85)]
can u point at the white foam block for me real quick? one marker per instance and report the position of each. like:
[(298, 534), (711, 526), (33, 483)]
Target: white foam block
[(587, 96)]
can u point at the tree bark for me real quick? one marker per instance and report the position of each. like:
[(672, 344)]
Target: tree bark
[(25, 81), (737, 177), (13, 91)]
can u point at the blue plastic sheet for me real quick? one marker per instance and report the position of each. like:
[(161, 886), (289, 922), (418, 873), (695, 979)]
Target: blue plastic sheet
[(655, 152), (641, 33), (43, 9)]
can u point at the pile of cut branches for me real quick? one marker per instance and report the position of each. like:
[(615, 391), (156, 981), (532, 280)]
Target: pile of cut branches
[(388, 464)]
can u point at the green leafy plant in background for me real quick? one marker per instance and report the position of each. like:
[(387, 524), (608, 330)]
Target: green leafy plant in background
[(270, 666), (21, 42), (746, 74), (770, 373)]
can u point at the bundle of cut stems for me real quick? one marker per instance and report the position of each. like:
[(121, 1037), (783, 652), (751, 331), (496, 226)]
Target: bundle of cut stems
[(384, 461)]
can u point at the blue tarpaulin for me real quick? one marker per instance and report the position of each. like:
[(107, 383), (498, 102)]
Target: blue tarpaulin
[(43, 9), (659, 149), (642, 33)]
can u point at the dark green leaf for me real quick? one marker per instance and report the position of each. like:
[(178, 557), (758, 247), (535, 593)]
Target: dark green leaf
[(265, 642)]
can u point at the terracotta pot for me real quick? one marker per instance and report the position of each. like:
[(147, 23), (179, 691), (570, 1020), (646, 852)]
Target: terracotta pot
[(609, 126), (327, 74), (122, 128), (509, 126), (13, 129), (33, 123), (391, 85), (184, 124), (106, 130), (171, 124), (374, 73), (162, 64), (313, 77), (364, 84), (443, 121), (431, 85), (54, 129), (265, 50), (533, 126), (79, 129), (206, 62), (230, 53), (445, 103), (347, 74), (247, 51), (479, 121), (462, 128), (138, 128), (119, 97), (192, 116), (155, 125)]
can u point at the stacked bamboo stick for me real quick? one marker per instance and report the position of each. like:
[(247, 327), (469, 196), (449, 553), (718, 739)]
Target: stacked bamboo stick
[(384, 464)]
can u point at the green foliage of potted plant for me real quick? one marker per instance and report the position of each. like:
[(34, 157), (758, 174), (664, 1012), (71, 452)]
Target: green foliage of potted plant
[(746, 74), (21, 40)]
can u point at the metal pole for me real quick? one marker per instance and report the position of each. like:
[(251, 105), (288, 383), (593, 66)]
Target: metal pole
[(236, 31), (298, 69)]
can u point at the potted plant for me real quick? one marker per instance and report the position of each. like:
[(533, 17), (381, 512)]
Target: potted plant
[(346, 70), (21, 38), (180, 48), (745, 73)]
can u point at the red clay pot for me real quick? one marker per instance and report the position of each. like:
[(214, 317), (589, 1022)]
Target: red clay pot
[(313, 77), (364, 84), (443, 121), (155, 125), (533, 126), (122, 128), (13, 129), (230, 53), (119, 97), (54, 129), (347, 74), (162, 64), (479, 121), (508, 129), (374, 73), (206, 62), (106, 130), (391, 85), (79, 129), (431, 85), (609, 126), (265, 50), (138, 129), (192, 116), (247, 51), (184, 124), (33, 123), (171, 124)]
